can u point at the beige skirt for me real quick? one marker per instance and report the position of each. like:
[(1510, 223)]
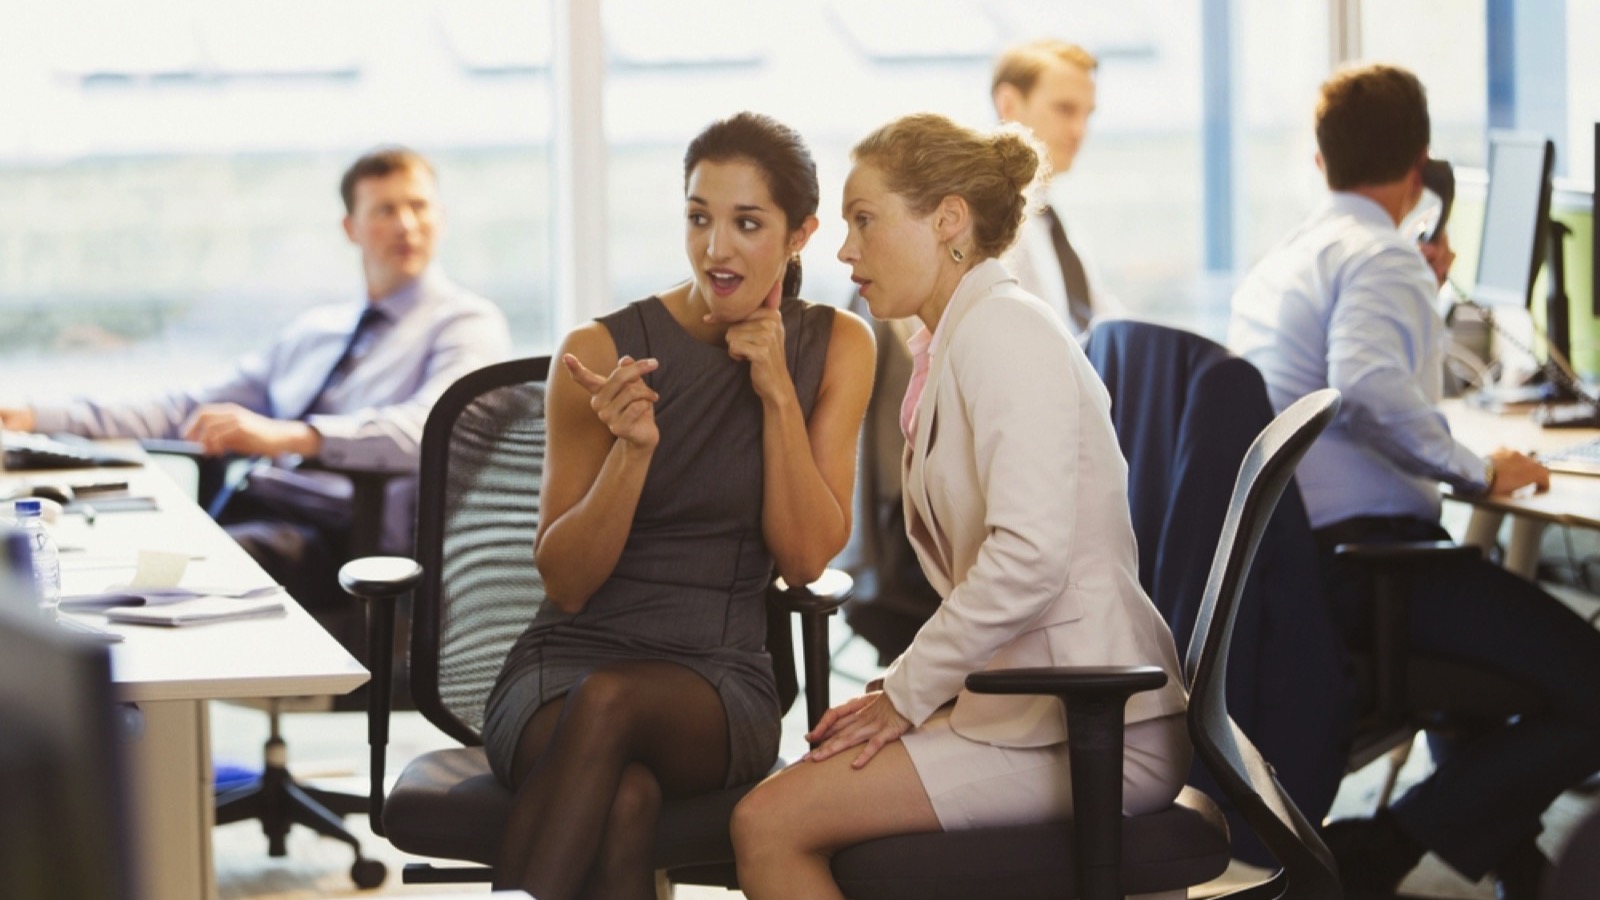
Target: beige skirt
[(978, 785)]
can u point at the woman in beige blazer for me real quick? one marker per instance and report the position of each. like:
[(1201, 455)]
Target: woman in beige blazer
[(1016, 502)]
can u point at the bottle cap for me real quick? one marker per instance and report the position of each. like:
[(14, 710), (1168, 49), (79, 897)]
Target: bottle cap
[(27, 508)]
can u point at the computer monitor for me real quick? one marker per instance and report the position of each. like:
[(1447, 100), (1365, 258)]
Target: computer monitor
[(1516, 217), (63, 834)]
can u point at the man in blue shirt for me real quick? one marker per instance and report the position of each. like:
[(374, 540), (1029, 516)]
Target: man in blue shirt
[(1347, 301), (350, 384)]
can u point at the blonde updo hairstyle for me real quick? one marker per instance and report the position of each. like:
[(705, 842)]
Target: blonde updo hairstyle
[(925, 158)]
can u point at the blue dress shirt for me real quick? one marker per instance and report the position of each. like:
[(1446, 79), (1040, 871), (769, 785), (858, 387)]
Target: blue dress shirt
[(1348, 302), (431, 333)]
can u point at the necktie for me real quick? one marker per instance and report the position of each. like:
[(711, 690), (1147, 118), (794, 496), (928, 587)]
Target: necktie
[(1072, 274), (370, 317)]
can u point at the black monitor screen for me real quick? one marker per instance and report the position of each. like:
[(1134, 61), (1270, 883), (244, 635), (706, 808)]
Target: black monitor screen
[(62, 831), (1514, 217)]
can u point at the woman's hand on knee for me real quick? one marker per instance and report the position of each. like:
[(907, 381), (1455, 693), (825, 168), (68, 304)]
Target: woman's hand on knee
[(870, 720)]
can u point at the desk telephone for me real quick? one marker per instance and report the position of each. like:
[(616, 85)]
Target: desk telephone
[(1439, 177)]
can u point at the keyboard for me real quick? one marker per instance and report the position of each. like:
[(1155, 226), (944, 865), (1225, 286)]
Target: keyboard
[(23, 450), (1582, 458), (1567, 415)]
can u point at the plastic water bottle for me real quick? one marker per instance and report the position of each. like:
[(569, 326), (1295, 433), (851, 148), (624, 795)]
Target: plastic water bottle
[(46, 559)]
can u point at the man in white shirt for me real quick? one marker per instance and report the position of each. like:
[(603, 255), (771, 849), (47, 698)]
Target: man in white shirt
[(1048, 86), (350, 384), (1347, 301)]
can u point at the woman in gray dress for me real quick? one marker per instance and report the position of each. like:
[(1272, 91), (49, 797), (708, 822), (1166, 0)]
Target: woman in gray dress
[(697, 439)]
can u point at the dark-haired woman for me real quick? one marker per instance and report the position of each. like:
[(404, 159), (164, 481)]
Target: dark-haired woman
[(1017, 505), (697, 439)]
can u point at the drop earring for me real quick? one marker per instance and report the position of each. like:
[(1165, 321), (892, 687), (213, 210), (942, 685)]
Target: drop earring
[(957, 255)]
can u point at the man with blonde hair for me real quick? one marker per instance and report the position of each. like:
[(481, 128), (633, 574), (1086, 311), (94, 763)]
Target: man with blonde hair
[(1049, 87)]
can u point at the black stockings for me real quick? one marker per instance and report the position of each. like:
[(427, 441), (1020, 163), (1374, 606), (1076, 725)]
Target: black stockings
[(591, 770)]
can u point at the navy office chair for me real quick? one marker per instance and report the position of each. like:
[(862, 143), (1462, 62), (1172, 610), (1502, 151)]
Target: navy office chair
[(1185, 409)]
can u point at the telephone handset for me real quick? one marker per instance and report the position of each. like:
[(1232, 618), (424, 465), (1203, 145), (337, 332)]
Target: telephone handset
[(1439, 177)]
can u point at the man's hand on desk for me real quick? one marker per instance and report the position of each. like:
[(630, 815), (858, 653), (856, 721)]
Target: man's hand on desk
[(1514, 471), (16, 418), (229, 428)]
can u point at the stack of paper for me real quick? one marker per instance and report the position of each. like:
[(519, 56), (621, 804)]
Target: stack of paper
[(197, 611)]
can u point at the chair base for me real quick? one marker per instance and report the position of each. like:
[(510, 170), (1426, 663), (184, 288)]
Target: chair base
[(279, 802)]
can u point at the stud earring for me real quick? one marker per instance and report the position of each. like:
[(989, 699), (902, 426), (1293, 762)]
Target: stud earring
[(956, 254)]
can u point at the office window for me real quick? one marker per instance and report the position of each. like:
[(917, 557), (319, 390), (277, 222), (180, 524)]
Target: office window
[(1583, 89), (836, 69), (1282, 57), (170, 170), (1445, 43)]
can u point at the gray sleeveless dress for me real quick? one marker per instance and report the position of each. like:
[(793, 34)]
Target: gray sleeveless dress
[(690, 585)]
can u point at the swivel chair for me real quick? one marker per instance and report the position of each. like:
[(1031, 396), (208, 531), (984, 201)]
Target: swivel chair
[(1167, 851), (474, 589)]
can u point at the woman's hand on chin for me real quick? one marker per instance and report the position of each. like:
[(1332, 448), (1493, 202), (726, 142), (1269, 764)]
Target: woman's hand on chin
[(758, 340)]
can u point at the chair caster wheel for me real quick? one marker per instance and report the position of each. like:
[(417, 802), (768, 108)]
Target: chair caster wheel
[(368, 873)]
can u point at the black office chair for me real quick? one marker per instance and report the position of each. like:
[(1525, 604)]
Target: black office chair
[(64, 826), (475, 588), (274, 797), (1186, 844)]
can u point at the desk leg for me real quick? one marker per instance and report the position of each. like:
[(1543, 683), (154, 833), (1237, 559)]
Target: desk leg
[(1522, 557), (173, 800), (1483, 530), (1522, 554)]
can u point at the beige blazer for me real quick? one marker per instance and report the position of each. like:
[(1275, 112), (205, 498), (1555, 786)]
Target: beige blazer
[(1016, 501)]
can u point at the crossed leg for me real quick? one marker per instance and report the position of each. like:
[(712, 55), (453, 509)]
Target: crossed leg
[(590, 772), (786, 831)]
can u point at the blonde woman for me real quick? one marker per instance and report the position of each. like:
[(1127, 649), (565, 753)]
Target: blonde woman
[(1016, 502)]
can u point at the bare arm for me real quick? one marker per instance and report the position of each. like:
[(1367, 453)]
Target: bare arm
[(602, 436), (809, 469)]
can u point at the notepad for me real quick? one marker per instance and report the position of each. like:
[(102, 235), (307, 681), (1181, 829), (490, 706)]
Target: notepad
[(158, 596), (197, 611)]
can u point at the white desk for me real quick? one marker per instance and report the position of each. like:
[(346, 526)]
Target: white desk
[(172, 673), (1572, 500)]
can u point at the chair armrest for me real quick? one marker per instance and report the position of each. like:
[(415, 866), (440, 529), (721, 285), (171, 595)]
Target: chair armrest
[(814, 603), (1391, 608), (1065, 681), (1383, 552), (825, 595), (379, 577), (369, 491), (379, 581), (1096, 702)]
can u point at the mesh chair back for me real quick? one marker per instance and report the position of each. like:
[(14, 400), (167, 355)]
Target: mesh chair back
[(477, 511), (1230, 756)]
